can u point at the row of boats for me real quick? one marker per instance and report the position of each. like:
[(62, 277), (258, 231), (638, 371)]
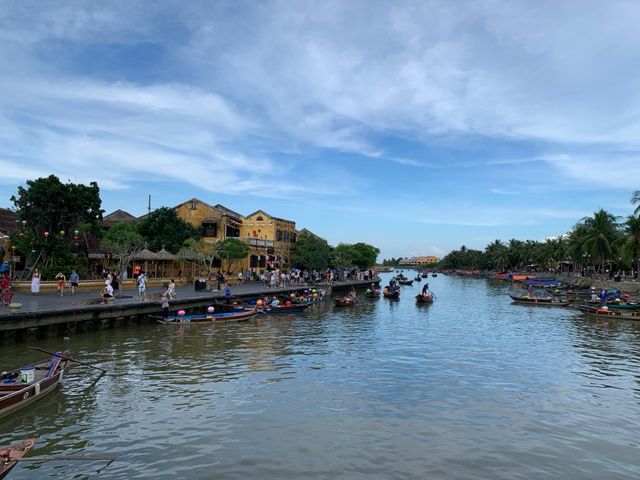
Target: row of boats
[(616, 308)]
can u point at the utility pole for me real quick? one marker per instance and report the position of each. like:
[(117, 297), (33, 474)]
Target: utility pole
[(149, 206)]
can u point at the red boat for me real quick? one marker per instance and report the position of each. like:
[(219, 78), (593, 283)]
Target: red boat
[(24, 385), (9, 456)]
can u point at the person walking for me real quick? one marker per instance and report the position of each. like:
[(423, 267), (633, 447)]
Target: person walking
[(74, 278), (171, 289), (142, 287), (61, 281), (35, 282)]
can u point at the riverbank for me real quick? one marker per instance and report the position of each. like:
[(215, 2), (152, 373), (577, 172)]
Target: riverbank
[(49, 314)]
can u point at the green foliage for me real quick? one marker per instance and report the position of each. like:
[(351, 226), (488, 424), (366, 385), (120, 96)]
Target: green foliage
[(361, 255), (124, 241), (310, 252), (200, 251), (48, 205), (163, 228), (233, 251)]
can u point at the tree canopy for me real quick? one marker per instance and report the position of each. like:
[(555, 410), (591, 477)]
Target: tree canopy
[(310, 252), (163, 228), (124, 240), (232, 251), (361, 255), (50, 211)]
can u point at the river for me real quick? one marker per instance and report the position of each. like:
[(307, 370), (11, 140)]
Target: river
[(469, 387)]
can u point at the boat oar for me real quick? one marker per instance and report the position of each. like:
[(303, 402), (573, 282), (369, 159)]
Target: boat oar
[(88, 458), (68, 358)]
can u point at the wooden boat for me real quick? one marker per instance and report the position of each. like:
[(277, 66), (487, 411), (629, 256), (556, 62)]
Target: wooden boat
[(417, 279), (605, 313), (405, 282), (434, 274), (345, 301), (424, 298), (425, 275), (392, 294), (235, 316), (375, 293), (293, 308), (22, 386), (9, 456), (542, 301), (630, 307)]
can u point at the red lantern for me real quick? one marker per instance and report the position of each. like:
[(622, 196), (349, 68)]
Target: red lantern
[(46, 234), (21, 235)]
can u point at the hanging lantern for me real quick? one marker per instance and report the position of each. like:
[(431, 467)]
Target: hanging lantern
[(46, 234), (76, 232), (21, 234), (62, 233), (24, 223)]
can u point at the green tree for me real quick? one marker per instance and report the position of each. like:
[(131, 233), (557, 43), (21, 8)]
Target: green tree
[(635, 199), (163, 228), (361, 255), (203, 252), (232, 251), (599, 236), (630, 242), (124, 241), (310, 252), (50, 210)]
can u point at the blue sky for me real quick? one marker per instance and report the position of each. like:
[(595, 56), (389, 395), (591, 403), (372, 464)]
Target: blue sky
[(414, 126)]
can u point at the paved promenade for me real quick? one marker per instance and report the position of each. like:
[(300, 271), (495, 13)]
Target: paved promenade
[(52, 301)]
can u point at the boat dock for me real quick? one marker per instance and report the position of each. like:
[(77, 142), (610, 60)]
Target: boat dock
[(49, 314)]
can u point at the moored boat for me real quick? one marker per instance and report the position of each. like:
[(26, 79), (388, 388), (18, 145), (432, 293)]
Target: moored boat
[(424, 298), (235, 316), (543, 301), (606, 312), (294, 307), (417, 279), (345, 301), (9, 456), (405, 282), (22, 386), (375, 293)]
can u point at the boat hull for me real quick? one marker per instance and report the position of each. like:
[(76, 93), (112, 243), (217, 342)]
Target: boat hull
[(9, 456), (14, 396), (222, 317), (541, 302), (597, 312)]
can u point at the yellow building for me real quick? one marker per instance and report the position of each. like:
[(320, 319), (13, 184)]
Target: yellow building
[(419, 261), (269, 236), (216, 222)]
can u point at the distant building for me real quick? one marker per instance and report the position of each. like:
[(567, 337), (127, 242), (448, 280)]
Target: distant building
[(278, 233), (419, 261), (114, 218)]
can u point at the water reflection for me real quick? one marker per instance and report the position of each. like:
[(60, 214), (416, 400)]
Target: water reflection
[(470, 386)]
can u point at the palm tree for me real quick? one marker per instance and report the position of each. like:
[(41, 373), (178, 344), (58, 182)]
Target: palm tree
[(635, 199), (600, 235), (630, 243)]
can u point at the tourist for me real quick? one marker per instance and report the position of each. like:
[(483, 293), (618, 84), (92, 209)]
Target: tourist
[(61, 281), (115, 283), (352, 293), (227, 294), (164, 303), (5, 289), (171, 289), (603, 297), (74, 278), (107, 292), (142, 287), (35, 282)]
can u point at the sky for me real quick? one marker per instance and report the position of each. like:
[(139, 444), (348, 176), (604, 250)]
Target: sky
[(414, 126)]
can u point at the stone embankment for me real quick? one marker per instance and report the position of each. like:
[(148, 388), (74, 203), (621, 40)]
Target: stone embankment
[(625, 285)]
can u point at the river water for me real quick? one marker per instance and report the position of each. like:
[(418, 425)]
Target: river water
[(469, 387)]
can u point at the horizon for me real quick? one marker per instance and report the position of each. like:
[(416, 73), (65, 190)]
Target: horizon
[(416, 128)]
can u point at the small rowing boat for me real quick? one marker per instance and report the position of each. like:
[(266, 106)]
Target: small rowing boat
[(24, 385), (9, 456), (606, 312), (345, 301), (207, 317), (405, 282), (391, 294), (375, 293), (424, 298), (542, 301)]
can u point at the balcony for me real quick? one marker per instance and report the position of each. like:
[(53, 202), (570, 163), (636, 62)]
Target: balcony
[(257, 242)]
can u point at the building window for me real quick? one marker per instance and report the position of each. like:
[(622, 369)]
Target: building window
[(279, 235), (259, 218), (209, 229), (193, 205), (232, 232)]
